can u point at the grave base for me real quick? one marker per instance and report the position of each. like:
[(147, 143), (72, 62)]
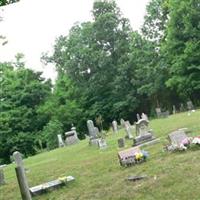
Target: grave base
[(143, 139), (94, 141), (45, 187)]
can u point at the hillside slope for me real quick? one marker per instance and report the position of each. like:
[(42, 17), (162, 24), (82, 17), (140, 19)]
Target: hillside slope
[(99, 175)]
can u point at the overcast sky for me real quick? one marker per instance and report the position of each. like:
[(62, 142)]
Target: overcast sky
[(31, 26)]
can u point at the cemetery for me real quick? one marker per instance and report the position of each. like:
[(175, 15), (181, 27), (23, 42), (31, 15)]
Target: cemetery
[(100, 100), (105, 173)]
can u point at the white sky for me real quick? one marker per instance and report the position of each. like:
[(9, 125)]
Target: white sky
[(31, 26)]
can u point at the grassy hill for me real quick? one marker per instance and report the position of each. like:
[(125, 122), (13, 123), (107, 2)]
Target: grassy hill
[(171, 176)]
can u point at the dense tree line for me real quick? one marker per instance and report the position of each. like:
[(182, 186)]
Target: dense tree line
[(105, 71)]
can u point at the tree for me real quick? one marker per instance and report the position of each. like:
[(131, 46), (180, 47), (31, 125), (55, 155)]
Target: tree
[(22, 92), (182, 48)]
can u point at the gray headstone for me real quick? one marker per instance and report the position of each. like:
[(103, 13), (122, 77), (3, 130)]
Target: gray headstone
[(121, 142), (144, 116), (60, 141), (177, 137), (128, 131), (17, 156), (190, 105), (71, 137), (182, 109), (2, 181), (102, 143), (122, 122), (114, 126), (138, 117), (143, 134), (174, 109), (93, 131)]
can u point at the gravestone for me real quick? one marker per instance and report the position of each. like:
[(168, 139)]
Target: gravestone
[(102, 143), (71, 137), (177, 137), (190, 106), (114, 126), (122, 122), (144, 116), (138, 117), (121, 142), (143, 134), (60, 141), (161, 114), (174, 109), (128, 130), (127, 157), (93, 133), (182, 109), (21, 176), (2, 180)]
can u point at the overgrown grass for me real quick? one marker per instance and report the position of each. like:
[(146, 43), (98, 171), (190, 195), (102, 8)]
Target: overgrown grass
[(171, 176)]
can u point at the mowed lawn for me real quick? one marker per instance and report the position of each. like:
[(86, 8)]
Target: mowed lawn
[(171, 176)]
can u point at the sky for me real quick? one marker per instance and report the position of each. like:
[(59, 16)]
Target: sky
[(31, 26)]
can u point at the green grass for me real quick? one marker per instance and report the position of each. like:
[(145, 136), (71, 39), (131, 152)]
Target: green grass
[(171, 176)]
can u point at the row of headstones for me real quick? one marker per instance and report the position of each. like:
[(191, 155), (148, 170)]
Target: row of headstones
[(189, 107), (143, 133)]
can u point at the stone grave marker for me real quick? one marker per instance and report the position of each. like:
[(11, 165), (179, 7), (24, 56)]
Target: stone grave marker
[(21, 176), (93, 133), (127, 157), (143, 134), (122, 122), (114, 126), (102, 143), (174, 109), (60, 141), (138, 117), (182, 109), (177, 137), (71, 137), (161, 114), (144, 116), (121, 142), (190, 106), (128, 130)]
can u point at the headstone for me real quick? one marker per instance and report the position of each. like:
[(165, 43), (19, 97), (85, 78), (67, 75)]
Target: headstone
[(21, 176), (122, 122), (177, 137), (2, 181), (143, 134), (39, 189), (102, 143), (114, 126), (121, 142), (144, 116), (71, 137), (174, 109), (138, 117), (93, 133), (190, 106), (182, 109), (161, 114), (128, 131), (127, 157), (60, 141)]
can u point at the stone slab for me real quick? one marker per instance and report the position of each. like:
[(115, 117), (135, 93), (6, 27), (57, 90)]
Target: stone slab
[(39, 189)]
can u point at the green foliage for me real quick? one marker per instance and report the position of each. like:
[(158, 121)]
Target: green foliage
[(6, 2), (182, 47), (50, 132), (22, 92)]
